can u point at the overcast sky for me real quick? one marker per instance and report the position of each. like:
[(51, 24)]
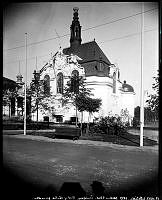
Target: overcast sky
[(115, 26)]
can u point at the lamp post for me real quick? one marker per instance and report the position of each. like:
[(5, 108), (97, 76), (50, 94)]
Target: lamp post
[(141, 92), (25, 83)]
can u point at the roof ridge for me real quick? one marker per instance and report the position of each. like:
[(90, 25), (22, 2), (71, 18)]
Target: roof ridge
[(82, 44), (8, 79)]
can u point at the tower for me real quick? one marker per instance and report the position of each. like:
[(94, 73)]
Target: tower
[(75, 38), (19, 77)]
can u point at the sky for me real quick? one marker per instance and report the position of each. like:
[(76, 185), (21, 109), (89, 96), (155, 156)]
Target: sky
[(116, 27)]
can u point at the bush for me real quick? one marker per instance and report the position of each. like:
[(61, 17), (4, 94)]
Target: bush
[(110, 125)]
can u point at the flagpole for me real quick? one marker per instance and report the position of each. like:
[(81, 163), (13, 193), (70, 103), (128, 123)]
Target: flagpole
[(141, 92), (25, 83), (36, 63)]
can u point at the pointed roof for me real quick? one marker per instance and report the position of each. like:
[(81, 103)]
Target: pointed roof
[(89, 51)]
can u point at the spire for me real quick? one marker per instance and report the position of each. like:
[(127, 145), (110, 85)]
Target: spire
[(19, 76), (75, 28)]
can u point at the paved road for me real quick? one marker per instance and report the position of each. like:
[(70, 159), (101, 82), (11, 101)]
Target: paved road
[(45, 162)]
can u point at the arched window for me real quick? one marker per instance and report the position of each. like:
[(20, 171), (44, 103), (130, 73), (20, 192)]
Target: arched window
[(47, 85), (75, 81), (60, 83), (75, 73)]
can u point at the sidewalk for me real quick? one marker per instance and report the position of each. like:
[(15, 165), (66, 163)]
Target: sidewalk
[(17, 132), (83, 142), (151, 134)]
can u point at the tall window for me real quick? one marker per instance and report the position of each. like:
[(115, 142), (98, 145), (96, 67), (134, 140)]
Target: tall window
[(47, 85), (75, 81), (60, 83), (114, 82)]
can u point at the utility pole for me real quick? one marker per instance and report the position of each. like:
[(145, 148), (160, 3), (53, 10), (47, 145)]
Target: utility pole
[(25, 83), (141, 92), (76, 120)]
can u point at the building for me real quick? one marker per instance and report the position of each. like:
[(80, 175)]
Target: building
[(88, 60), (13, 98)]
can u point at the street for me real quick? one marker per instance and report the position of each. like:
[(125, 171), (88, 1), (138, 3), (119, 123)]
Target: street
[(51, 163)]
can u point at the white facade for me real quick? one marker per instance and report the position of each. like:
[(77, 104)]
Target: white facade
[(113, 99)]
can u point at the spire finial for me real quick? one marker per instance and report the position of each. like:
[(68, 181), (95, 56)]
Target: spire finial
[(75, 9)]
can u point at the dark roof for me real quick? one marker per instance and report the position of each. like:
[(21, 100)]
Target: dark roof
[(127, 88), (8, 84), (87, 52)]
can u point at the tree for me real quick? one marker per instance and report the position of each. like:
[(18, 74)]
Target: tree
[(36, 92), (42, 99), (91, 105), (8, 95), (153, 101), (14, 95), (77, 93), (149, 115), (86, 103)]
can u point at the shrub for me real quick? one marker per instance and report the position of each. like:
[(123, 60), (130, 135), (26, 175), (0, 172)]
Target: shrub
[(110, 125)]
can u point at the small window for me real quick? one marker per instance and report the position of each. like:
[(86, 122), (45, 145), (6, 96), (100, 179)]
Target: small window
[(59, 118), (100, 66), (73, 119)]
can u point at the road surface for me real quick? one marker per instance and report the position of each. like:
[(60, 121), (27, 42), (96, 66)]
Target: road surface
[(49, 163)]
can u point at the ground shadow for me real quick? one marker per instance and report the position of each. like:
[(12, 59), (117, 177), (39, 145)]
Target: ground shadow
[(72, 189)]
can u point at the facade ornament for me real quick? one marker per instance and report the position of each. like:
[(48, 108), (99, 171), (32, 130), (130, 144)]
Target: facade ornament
[(74, 58), (113, 68)]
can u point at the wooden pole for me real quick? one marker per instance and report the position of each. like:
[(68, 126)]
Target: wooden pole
[(141, 92), (25, 83), (76, 122)]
